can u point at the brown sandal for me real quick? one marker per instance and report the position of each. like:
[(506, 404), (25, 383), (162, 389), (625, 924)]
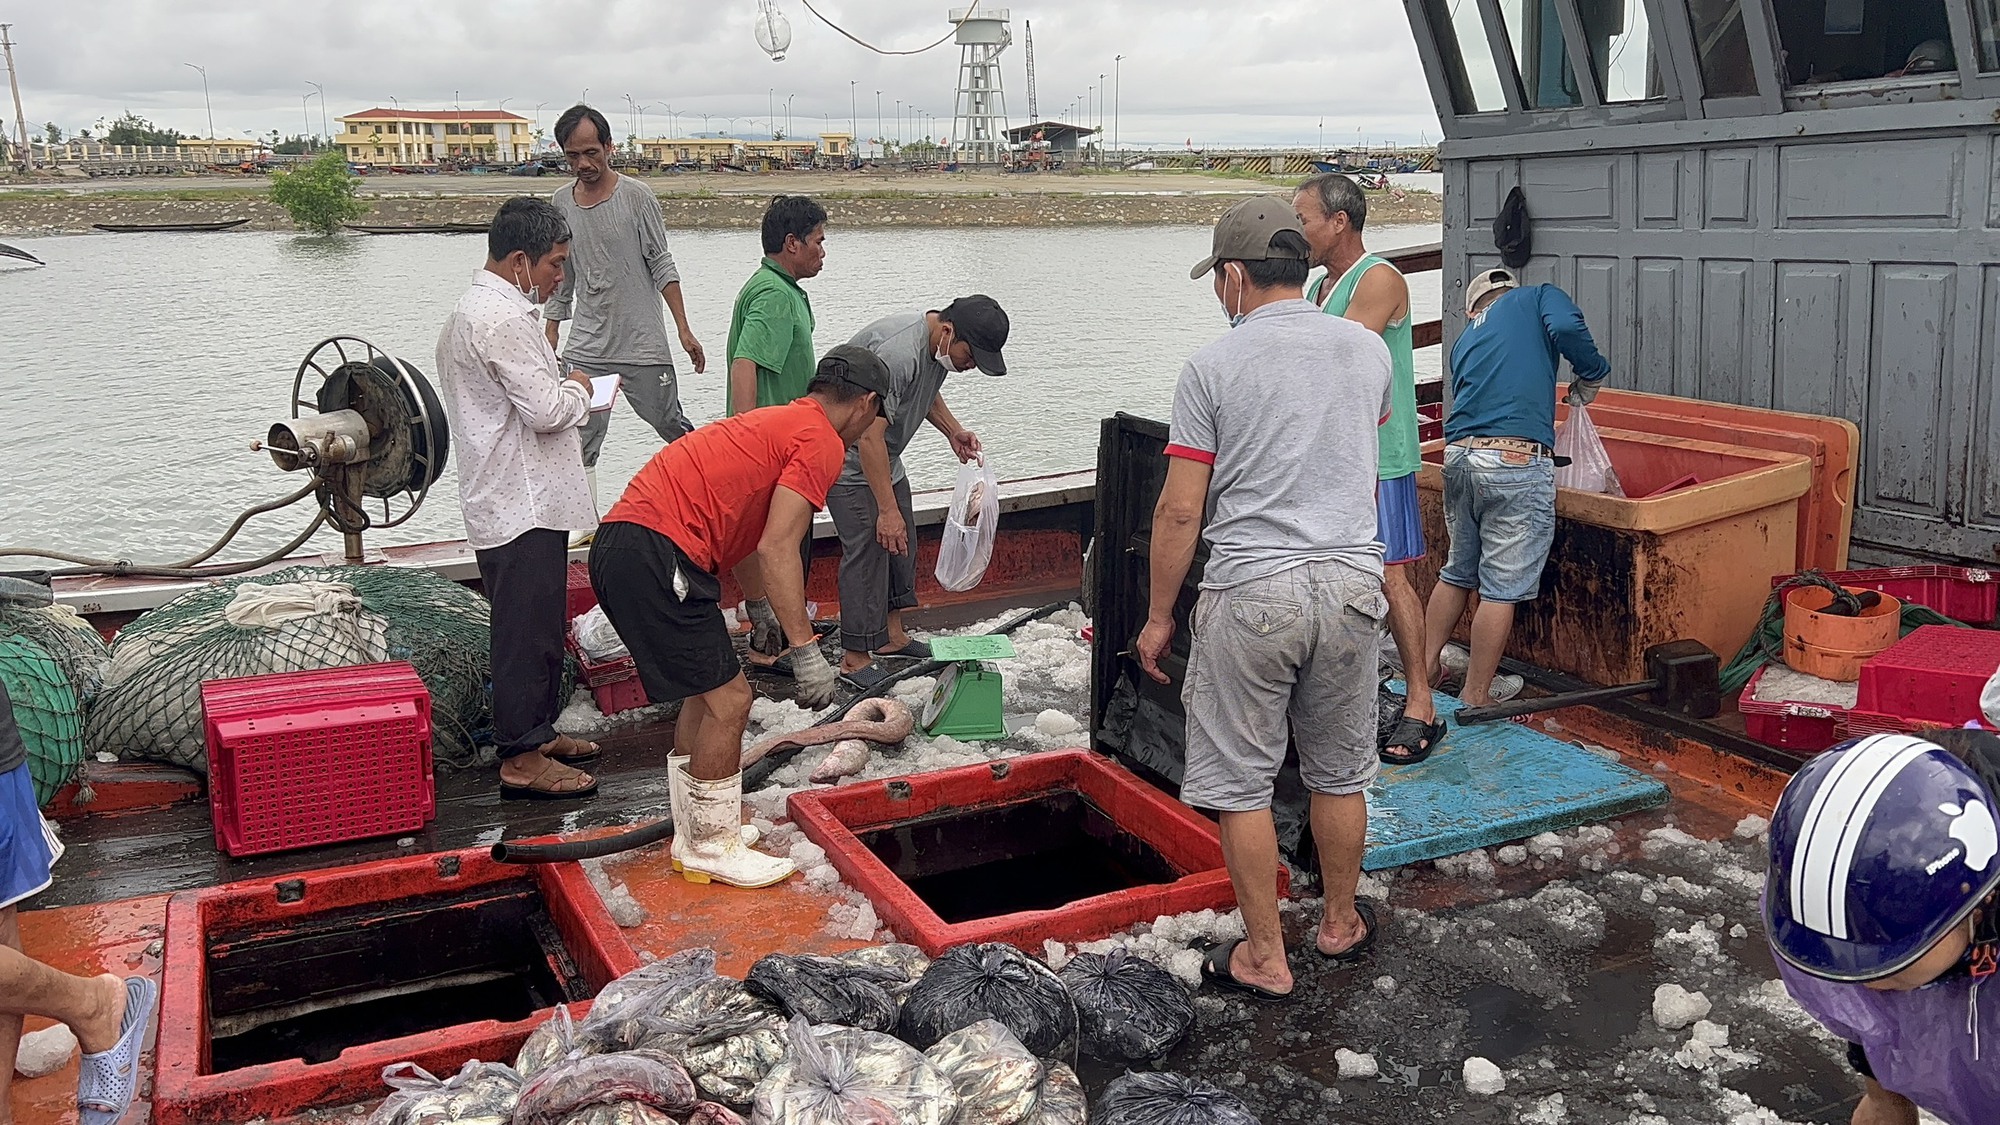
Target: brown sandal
[(566, 785), (570, 750)]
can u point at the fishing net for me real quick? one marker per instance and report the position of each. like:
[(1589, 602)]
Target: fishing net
[(45, 710), (296, 619), (68, 639)]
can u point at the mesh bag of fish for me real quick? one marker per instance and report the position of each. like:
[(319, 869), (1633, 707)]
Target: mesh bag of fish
[(480, 1094), (301, 618)]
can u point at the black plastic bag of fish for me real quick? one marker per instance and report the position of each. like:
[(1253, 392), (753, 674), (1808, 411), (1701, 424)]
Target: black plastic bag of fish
[(850, 989), (847, 1076), (479, 1094), (1162, 1098), (616, 1021), (991, 981), (999, 1082), (1129, 1009), (563, 1091), (728, 1038)]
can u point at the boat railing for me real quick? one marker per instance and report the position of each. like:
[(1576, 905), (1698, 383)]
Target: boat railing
[(1430, 333)]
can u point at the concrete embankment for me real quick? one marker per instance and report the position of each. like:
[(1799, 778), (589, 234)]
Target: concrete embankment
[(41, 214)]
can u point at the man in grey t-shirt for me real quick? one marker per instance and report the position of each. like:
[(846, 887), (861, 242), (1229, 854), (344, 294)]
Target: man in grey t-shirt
[(619, 269), (1274, 430), (870, 504)]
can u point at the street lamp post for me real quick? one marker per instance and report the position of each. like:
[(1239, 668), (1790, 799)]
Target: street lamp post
[(631, 116), (1117, 87), (305, 111), (879, 135), (771, 110), (321, 91), (211, 109), (788, 114)]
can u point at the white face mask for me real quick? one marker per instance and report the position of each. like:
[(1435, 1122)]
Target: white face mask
[(532, 292), (943, 356)]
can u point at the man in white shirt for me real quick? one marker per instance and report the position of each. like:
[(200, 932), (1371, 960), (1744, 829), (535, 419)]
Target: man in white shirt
[(521, 482)]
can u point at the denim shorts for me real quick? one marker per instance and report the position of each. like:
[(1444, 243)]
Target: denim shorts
[(1500, 513), (1288, 658)]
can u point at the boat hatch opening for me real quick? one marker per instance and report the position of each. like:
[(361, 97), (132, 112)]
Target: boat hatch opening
[(1059, 846), (1035, 855), (382, 971)]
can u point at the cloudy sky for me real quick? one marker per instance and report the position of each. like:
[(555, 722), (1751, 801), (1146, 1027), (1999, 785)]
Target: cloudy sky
[(1259, 72)]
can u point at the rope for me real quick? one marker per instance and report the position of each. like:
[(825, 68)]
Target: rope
[(969, 12), (1767, 644)]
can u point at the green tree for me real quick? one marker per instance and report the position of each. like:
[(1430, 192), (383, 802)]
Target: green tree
[(53, 132), (132, 129), (296, 146), (319, 196)]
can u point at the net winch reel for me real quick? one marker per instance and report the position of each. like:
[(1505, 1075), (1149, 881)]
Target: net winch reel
[(366, 426)]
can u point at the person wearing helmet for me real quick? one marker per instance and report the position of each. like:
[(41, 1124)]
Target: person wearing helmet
[(1882, 902)]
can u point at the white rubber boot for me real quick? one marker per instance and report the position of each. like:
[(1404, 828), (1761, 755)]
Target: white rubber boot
[(677, 791), (715, 850)]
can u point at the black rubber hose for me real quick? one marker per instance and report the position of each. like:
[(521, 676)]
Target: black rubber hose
[(565, 851)]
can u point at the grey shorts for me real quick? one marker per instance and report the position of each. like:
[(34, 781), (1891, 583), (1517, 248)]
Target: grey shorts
[(1291, 657)]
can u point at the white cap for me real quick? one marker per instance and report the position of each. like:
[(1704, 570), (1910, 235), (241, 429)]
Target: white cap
[(1485, 282)]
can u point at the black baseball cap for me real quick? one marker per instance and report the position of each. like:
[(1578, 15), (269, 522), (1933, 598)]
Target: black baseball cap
[(980, 322), (857, 367)]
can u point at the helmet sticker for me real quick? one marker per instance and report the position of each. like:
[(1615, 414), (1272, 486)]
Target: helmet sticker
[(1974, 829)]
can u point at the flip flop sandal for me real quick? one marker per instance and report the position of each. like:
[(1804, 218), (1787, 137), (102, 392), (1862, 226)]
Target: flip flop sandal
[(107, 1080), (1215, 970), (533, 792), (915, 650), (1360, 948), (867, 679), (1419, 738)]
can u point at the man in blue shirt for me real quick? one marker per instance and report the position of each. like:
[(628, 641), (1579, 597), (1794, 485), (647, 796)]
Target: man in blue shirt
[(1499, 463)]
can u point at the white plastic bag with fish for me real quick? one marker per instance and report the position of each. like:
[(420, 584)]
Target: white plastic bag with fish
[(1589, 468), (970, 526), (596, 636)]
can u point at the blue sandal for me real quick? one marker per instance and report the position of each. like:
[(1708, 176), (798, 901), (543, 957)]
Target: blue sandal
[(107, 1080)]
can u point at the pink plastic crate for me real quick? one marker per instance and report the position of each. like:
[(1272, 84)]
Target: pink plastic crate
[(1960, 593), (614, 684), (1806, 728), (581, 596), (1934, 675), (300, 759)]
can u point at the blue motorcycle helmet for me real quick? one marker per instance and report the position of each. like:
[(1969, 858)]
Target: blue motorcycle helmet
[(1880, 847)]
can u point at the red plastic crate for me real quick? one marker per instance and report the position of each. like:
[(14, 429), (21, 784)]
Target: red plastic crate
[(582, 595), (1933, 676), (300, 759), (614, 684), (1960, 593), (1806, 728), (835, 819)]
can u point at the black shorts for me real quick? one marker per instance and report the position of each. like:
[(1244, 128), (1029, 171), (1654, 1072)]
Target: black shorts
[(680, 644)]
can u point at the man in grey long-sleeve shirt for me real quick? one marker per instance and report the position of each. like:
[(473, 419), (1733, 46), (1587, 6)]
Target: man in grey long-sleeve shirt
[(619, 270)]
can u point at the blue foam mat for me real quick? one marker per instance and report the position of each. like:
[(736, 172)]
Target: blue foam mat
[(1492, 783)]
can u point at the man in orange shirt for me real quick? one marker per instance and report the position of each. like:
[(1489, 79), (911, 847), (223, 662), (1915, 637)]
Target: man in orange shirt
[(739, 495)]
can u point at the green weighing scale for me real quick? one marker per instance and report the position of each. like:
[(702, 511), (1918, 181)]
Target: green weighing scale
[(966, 703)]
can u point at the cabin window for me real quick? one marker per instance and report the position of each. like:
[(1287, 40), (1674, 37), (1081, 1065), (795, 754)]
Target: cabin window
[(1988, 12), (1862, 40), (1542, 62), (1724, 46), (1468, 62), (1621, 50)]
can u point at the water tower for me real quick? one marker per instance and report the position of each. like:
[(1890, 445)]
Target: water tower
[(979, 125)]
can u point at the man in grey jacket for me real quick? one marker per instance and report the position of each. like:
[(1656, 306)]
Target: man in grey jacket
[(619, 270)]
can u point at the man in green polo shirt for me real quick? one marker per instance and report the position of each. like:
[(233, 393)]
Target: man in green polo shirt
[(1373, 293), (771, 331)]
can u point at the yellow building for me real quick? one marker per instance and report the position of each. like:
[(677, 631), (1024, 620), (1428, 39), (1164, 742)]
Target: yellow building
[(221, 150), (837, 147), (704, 151), (409, 136)]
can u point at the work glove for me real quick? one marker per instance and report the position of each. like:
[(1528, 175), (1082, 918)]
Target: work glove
[(813, 674), (1581, 393), (765, 635)]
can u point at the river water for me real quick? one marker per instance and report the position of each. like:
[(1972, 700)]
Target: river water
[(137, 369)]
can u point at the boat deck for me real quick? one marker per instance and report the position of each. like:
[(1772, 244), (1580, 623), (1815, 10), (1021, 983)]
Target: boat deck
[(1546, 967)]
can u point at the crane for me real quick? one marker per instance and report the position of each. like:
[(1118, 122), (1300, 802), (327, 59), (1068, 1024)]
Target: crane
[(1034, 114)]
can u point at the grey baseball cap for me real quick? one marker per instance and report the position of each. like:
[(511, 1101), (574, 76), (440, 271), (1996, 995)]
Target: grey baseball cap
[(1243, 234)]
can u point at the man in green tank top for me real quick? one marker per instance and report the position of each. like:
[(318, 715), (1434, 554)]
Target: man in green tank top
[(1371, 292)]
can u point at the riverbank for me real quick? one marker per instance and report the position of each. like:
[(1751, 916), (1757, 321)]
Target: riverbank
[(701, 201)]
